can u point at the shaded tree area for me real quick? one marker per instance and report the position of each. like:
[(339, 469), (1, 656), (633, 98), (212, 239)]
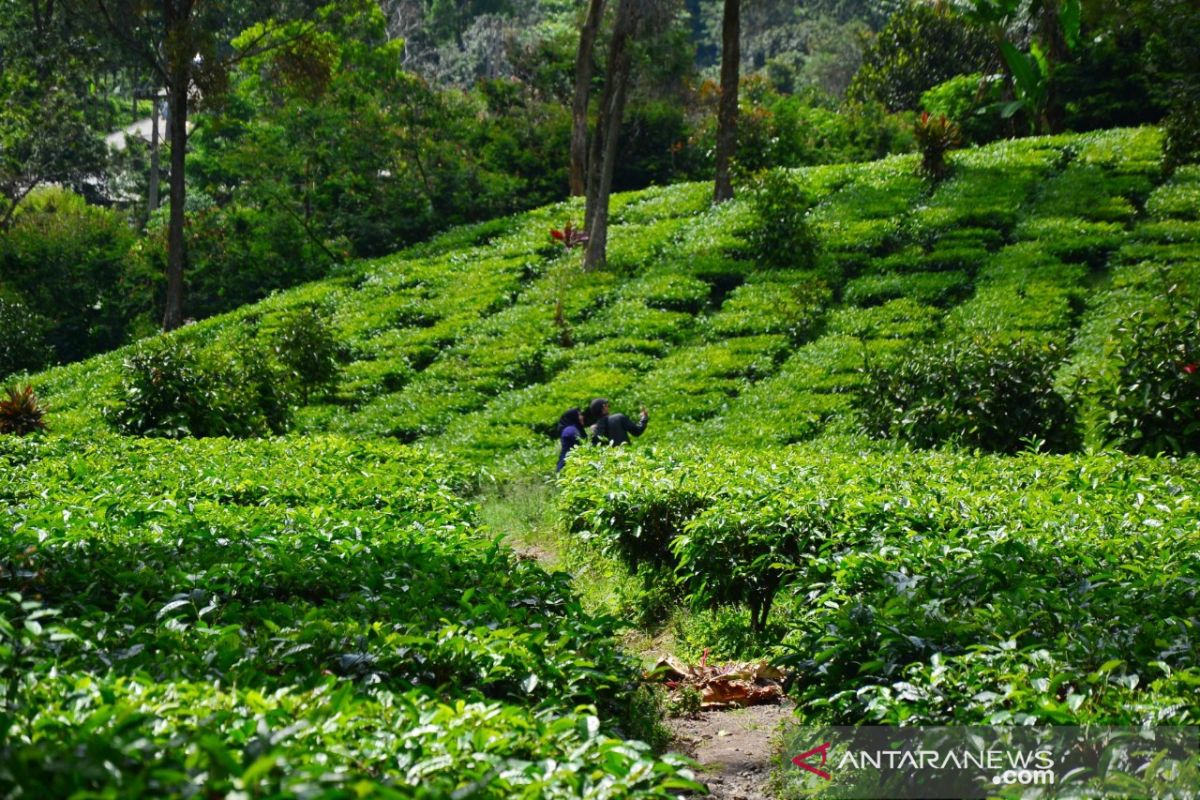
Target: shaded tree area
[(48, 68), (184, 46)]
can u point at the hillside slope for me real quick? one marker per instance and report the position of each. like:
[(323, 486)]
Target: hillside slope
[(453, 343), (324, 612)]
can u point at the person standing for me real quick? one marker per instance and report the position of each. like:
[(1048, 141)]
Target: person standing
[(614, 429)]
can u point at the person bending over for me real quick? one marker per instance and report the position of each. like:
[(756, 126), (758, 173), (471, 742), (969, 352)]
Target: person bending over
[(570, 433), (614, 429)]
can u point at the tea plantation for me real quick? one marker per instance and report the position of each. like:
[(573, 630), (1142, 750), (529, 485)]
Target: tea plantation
[(920, 470)]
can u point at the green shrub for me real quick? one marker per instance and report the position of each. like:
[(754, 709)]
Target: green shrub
[(306, 348), (252, 394), (170, 390), (965, 101), (922, 46), (164, 392), (1153, 400), (69, 263), (780, 235), (992, 395), (23, 346)]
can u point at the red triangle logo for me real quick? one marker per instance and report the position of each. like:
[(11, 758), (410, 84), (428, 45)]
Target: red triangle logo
[(801, 760)]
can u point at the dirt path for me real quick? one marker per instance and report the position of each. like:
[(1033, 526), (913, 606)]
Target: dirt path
[(737, 750)]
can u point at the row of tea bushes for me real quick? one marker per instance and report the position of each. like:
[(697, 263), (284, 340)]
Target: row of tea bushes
[(459, 341), (299, 616), (931, 588)]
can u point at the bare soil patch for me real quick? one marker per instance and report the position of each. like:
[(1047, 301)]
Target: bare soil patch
[(737, 750)]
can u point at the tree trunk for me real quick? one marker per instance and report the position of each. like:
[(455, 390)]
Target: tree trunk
[(612, 109), (584, 66), (152, 200), (727, 106), (177, 105), (1054, 45)]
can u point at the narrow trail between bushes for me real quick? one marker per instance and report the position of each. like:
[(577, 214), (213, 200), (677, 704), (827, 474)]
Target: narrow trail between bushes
[(736, 750)]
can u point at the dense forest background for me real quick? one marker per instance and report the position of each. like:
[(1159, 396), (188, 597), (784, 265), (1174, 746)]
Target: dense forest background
[(321, 133)]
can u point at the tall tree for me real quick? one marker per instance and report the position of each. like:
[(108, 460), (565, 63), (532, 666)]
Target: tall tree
[(602, 160), (727, 105), (47, 113), (634, 19), (185, 45), (584, 67)]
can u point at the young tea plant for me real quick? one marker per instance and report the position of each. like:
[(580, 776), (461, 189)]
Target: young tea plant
[(306, 347), (1153, 402), (780, 235)]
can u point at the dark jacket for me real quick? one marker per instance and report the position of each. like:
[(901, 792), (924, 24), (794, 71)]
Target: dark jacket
[(570, 436), (616, 428)]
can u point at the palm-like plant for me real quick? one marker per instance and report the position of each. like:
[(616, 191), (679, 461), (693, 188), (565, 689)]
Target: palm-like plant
[(21, 412), (935, 136)]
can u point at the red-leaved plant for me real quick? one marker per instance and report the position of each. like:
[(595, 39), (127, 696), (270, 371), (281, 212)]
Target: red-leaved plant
[(935, 136), (21, 412), (570, 237)]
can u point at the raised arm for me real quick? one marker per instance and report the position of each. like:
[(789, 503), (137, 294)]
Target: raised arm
[(639, 427)]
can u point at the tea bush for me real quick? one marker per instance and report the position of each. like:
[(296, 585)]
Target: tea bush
[(902, 318), (780, 235), (927, 288), (672, 292), (283, 585), (695, 383), (793, 305), (1179, 197), (929, 587), (995, 396), (1153, 400)]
